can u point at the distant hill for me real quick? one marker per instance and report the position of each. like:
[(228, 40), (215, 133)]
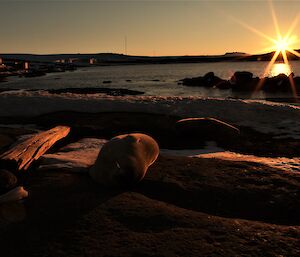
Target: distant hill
[(236, 54), (113, 58)]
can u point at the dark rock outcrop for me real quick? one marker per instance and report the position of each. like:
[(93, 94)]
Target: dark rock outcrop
[(96, 90), (208, 80), (279, 83), (243, 81), (224, 84)]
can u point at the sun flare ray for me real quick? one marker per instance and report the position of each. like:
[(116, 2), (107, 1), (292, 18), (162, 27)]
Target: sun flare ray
[(294, 52), (254, 30), (292, 27), (293, 86), (275, 20), (266, 72)]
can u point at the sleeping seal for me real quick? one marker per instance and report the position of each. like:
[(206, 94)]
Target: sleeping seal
[(123, 161), (197, 130)]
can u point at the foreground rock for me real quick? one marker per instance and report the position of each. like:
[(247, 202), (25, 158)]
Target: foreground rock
[(183, 207), (21, 155)]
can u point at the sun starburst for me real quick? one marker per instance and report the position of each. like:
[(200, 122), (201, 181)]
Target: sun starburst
[(281, 45)]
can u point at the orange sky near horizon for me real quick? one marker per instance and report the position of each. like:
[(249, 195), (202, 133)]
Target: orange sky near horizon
[(160, 28)]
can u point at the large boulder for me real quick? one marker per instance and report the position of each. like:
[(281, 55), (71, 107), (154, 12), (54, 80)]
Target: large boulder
[(223, 84), (208, 80), (243, 81), (279, 83), (241, 77)]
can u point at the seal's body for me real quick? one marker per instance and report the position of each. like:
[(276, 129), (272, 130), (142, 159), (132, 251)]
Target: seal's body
[(124, 160)]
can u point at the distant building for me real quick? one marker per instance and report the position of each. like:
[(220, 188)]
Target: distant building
[(60, 61), (93, 61), (26, 66), (72, 60)]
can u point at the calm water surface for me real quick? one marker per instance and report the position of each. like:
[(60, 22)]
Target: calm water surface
[(156, 79)]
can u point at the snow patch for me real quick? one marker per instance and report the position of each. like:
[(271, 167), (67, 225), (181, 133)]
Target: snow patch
[(283, 163), (76, 157), (278, 119)]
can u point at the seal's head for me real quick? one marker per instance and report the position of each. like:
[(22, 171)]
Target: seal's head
[(124, 160)]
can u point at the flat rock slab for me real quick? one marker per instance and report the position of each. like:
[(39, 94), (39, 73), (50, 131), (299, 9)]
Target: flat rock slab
[(131, 224), (236, 189), (75, 157), (184, 207)]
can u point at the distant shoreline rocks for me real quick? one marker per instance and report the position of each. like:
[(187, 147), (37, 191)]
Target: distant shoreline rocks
[(83, 91), (96, 90), (244, 81)]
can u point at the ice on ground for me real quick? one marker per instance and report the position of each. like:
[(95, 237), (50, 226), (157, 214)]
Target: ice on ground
[(283, 163), (75, 157), (278, 119), (210, 147)]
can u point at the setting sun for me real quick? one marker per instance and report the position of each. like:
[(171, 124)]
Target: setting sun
[(282, 45)]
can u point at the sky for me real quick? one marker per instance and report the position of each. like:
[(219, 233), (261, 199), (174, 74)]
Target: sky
[(154, 28)]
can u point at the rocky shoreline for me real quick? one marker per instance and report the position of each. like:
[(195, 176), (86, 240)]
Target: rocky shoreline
[(244, 81), (185, 206)]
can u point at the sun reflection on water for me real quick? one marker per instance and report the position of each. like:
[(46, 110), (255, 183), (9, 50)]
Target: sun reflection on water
[(278, 68)]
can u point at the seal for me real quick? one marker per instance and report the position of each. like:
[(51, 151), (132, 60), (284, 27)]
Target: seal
[(207, 129), (124, 160)]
